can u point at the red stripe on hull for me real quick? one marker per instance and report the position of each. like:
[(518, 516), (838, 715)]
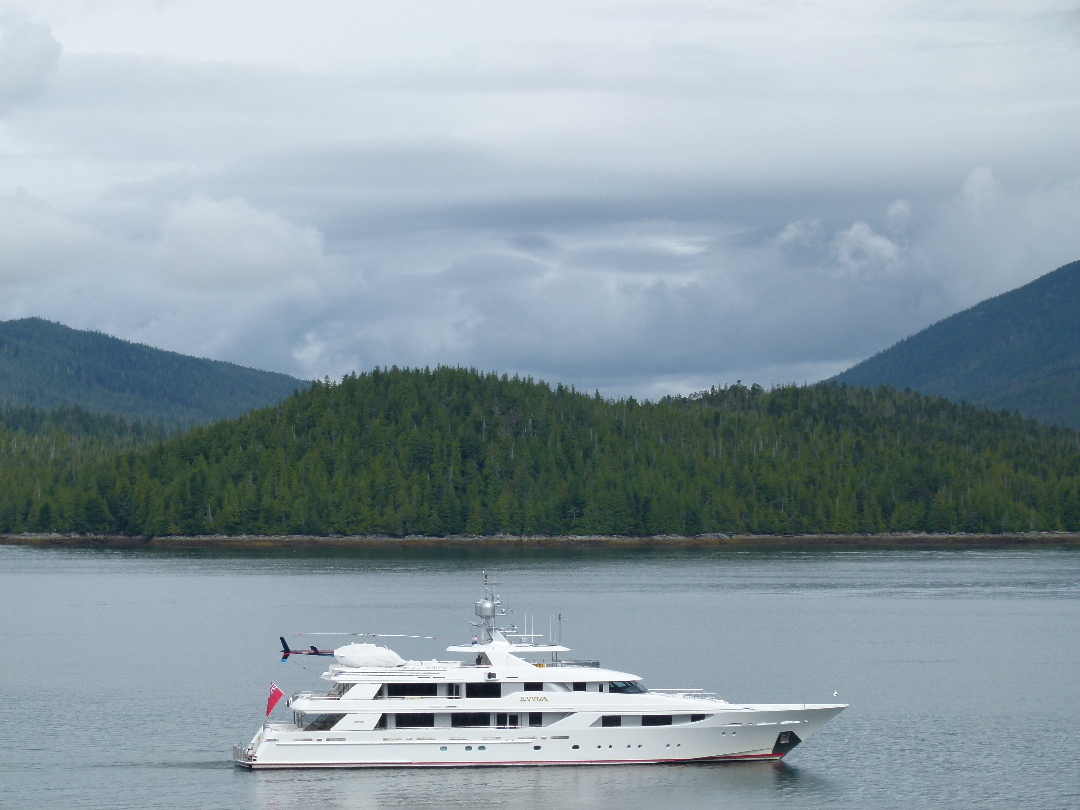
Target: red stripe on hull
[(513, 763)]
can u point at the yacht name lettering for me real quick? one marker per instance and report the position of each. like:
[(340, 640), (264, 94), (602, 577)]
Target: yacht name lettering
[(533, 697)]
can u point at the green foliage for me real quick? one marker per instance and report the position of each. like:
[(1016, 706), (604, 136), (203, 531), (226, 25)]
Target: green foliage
[(455, 451), (41, 456), (46, 366), (1020, 351), (80, 424)]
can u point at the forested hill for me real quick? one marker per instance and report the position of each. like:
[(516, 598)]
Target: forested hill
[(1020, 350), (454, 451), (46, 365)]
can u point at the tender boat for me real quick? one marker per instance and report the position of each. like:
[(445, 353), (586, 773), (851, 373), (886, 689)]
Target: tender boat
[(505, 706)]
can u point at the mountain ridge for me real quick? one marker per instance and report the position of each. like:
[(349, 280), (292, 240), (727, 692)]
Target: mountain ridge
[(48, 365), (1016, 351)]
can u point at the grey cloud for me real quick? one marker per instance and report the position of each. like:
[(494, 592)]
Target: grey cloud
[(760, 192), (28, 54)]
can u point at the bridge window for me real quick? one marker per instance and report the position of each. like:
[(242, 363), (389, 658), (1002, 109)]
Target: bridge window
[(626, 687), (611, 720)]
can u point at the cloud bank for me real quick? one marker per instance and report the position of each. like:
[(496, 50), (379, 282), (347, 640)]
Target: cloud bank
[(641, 198)]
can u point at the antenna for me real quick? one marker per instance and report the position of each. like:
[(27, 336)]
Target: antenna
[(488, 608)]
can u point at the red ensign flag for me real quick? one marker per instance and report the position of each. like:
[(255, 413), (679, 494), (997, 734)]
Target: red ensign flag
[(272, 701)]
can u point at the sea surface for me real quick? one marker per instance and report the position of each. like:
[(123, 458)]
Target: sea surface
[(127, 676)]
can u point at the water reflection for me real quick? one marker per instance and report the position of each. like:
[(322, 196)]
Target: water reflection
[(713, 785)]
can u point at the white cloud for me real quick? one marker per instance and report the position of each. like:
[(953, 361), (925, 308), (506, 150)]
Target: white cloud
[(28, 54), (859, 251), (230, 245), (897, 217)]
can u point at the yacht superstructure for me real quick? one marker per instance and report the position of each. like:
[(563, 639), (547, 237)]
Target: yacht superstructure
[(505, 706)]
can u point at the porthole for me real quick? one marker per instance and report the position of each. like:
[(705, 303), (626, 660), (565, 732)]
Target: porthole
[(482, 748), (468, 748), (639, 746), (575, 747), (668, 745), (628, 746), (536, 748), (678, 745), (442, 747)]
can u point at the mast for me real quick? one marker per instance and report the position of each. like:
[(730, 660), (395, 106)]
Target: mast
[(488, 609)]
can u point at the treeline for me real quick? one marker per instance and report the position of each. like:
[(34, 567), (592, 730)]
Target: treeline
[(455, 451)]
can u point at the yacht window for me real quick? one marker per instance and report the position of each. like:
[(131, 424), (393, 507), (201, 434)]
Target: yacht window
[(536, 719), (418, 720), (382, 721), (697, 718), (579, 687), (504, 720), (534, 687), (470, 719), (611, 720), (626, 687), (656, 720), (412, 689), (339, 690), (321, 722), (483, 690), (453, 689)]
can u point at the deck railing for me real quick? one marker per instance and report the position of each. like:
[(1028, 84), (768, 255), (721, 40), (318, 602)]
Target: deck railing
[(700, 694), (568, 663)]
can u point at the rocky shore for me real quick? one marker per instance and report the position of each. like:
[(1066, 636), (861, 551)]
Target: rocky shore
[(737, 542)]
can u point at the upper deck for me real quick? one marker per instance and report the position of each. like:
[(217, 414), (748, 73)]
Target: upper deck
[(496, 653)]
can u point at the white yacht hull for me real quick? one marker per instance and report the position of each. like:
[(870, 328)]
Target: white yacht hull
[(498, 708), (732, 733)]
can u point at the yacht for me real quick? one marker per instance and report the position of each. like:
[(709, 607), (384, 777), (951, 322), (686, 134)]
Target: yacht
[(512, 701)]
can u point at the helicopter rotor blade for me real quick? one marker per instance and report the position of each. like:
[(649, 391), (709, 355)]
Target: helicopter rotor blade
[(369, 635)]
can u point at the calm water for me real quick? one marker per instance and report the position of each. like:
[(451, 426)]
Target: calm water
[(127, 677)]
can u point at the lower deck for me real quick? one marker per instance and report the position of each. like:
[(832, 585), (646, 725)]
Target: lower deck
[(282, 746)]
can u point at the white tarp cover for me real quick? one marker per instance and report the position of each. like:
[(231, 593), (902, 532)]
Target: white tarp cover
[(367, 655)]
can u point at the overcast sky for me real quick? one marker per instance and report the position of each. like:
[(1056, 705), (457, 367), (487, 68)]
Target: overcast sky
[(641, 197)]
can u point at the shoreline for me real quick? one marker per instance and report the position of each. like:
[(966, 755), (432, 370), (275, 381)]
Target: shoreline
[(734, 542)]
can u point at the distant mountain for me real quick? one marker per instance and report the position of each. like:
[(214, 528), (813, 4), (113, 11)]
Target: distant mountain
[(48, 365), (1020, 351)]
